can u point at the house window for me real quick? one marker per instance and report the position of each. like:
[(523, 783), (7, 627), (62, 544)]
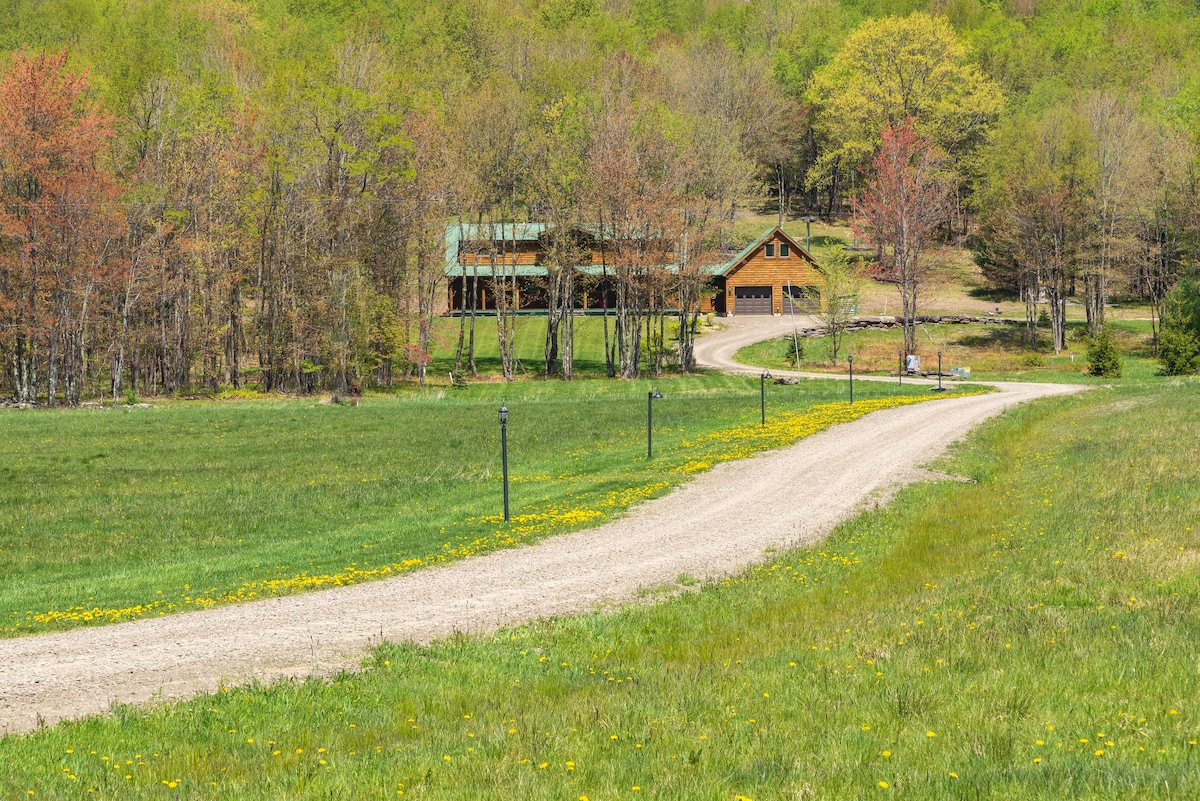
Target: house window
[(783, 250), (770, 250)]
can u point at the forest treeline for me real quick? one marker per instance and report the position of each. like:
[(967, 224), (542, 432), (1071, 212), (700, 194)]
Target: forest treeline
[(201, 193)]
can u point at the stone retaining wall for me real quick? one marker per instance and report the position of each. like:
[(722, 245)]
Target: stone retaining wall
[(869, 324)]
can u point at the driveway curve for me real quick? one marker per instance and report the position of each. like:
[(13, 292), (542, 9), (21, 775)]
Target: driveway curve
[(715, 525)]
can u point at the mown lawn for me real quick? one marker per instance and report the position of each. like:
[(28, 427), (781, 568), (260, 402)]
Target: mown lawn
[(1028, 635), (993, 352), (530, 347), (116, 514), (529, 344)]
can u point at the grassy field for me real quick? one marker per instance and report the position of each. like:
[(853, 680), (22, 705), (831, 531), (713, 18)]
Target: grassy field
[(992, 351), (530, 344), (117, 514), (1028, 635)]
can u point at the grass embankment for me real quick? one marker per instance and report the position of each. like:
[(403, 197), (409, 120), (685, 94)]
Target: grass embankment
[(993, 352), (1028, 636), (120, 514)]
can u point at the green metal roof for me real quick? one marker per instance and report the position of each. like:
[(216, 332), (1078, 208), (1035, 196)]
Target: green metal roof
[(470, 232), (528, 232), (746, 251), (485, 270)]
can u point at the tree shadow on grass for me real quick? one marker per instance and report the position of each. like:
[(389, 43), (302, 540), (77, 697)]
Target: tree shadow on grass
[(1006, 336), (992, 295)]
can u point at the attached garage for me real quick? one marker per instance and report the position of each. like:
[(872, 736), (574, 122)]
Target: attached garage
[(752, 300), (803, 300), (772, 275)]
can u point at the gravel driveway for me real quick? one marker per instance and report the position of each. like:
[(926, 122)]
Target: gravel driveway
[(715, 525)]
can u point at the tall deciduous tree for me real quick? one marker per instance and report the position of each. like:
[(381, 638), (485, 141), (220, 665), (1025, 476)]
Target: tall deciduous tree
[(896, 71), (57, 224), (1119, 150), (907, 198), (1165, 216), (1035, 211), (839, 298)]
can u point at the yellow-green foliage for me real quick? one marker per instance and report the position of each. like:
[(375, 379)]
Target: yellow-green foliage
[(894, 69)]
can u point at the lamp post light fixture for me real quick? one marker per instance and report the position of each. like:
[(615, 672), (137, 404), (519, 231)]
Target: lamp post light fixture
[(808, 221), (651, 397), (504, 455), (850, 361), (763, 379)]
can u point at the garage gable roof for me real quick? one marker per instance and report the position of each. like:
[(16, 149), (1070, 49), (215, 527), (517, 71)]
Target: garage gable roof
[(737, 262)]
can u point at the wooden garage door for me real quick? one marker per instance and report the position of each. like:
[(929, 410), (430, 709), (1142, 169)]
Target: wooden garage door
[(806, 299), (752, 300)]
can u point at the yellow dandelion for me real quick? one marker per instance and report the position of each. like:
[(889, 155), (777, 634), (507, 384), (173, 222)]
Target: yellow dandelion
[(883, 785)]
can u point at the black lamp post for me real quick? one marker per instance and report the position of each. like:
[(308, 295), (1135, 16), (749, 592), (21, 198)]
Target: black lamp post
[(504, 455), (763, 379), (900, 372), (650, 398), (850, 360), (940, 388)]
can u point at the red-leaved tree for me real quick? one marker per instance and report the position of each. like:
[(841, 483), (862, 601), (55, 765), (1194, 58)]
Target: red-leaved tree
[(57, 221), (907, 198)]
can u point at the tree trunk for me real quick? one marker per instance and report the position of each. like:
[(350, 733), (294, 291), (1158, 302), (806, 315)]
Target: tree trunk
[(119, 365), (471, 331), (568, 331), (1030, 290), (1057, 295), (23, 371), (554, 311), (55, 344)]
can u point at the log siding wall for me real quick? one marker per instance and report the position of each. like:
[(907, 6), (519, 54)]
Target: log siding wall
[(776, 271)]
